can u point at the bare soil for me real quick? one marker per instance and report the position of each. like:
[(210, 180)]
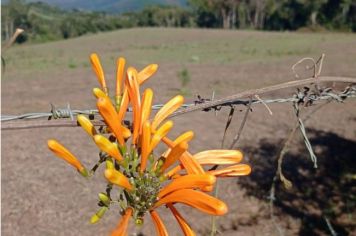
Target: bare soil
[(41, 195)]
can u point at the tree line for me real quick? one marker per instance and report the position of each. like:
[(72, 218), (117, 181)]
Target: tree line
[(276, 14), (43, 22)]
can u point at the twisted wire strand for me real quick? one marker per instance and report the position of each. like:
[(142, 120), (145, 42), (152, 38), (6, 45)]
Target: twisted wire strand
[(58, 113), (305, 97)]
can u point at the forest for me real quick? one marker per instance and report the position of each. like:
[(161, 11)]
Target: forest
[(43, 22)]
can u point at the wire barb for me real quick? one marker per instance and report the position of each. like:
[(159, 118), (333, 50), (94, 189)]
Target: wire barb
[(61, 113)]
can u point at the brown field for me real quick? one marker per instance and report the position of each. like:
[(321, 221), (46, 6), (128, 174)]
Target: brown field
[(41, 195)]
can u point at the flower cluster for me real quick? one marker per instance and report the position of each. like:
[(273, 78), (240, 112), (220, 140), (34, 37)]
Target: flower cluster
[(145, 179)]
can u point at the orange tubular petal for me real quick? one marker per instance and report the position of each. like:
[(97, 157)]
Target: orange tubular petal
[(142, 77), (98, 93), (123, 223), (219, 157), (208, 188), (120, 74), (146, 106), (105, 145), (170, 107), (145, 145), (176, 176), (124, 104), (107, 111), (160, 228), (95, 62), (181, 221), (116, 177), (147, 72), (125, 132), (86, 125), (161, 132), (185, 137), (190, 164), (174, 155), (232, 171), (134, 95), (196, 199), (64, 154), (188, 182), (173, 171), (169, 142)]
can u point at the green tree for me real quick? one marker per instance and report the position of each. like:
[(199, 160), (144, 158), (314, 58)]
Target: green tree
[(13, 15)]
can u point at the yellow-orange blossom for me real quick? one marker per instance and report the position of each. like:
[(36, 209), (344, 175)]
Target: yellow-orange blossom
[(149, 180)]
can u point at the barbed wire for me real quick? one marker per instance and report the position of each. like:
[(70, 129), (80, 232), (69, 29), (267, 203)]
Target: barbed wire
[(230, 100), (301, 96), (57, 113), (307, 96)]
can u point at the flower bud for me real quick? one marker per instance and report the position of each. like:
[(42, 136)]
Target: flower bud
[(97, 216), (104, 198)]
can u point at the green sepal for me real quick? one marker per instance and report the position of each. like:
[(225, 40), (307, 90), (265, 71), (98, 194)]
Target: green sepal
[(151, 159), (123, 149), (84, 172), (159, 165)]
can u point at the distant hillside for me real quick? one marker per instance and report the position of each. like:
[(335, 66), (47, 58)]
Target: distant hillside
[(112, 6)]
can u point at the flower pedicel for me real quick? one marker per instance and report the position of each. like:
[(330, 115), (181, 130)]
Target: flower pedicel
[(146, 180)]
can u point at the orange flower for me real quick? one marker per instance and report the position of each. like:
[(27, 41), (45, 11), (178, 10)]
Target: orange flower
[(185, 137), (183, 224), (146, 73), (105, 145), (166, 110), (86, 125), (188, 162), (98, 93), (98, 70), (118, 178), (142, 77), (145, 146), (134, 95), (120, 74), (176, 152), (187, 182), (66, 155), (124, 222), (160, 228), (219, 157), (196, 199), (232, 171), (124, 104), (160, 134), (107, 111), (146, 106), (147, 179)]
